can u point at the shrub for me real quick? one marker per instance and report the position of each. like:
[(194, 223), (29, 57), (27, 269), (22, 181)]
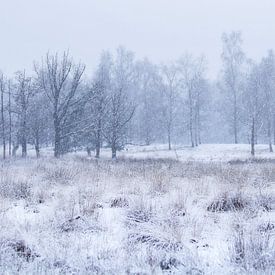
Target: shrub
[(15, 189), (252, 250), (20, 248), (228, 202), (119, 203), (61, 174)]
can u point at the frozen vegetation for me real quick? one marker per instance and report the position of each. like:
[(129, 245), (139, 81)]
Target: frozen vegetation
[(141, 166), (148, 212)]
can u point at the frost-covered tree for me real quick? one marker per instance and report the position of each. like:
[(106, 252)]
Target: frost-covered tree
[(146, 118), (39, 122), (193, 85), (201, 92), (233, 59), (23, 94), (3, 119), (59, 78), (268, 88), (170, 93), (127, 101), (252, 102), (120, 106), (98, 103)]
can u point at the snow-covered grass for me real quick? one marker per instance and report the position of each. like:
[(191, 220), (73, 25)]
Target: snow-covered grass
[(150, 212), (204, 152)]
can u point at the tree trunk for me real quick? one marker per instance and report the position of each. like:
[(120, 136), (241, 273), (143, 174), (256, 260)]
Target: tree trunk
[(14, 150), (191, 133), (57, 152), (89, 151), (3, 123), (255, 133), (269, 135), (253, 138), (97, 151), (37, 145), (196, 137), (235, 119), (10, 122), (24, 148), (37, 150), (169, 138), (24, 138), (57, 144), (196, 129), (147, 136), (98, 141), (114, 151), (191, 119), (199, 125), (57, 138)]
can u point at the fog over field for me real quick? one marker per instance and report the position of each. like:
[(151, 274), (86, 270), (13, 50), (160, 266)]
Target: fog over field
[(137, 137)]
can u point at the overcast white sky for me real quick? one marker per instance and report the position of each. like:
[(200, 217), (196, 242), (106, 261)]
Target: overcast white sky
[(159, 29)]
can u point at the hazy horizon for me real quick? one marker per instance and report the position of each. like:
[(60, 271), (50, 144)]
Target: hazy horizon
[(159, 30)]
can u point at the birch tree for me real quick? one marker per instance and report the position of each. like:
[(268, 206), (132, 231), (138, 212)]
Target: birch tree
[(10, 117), (120, 108), (268, 85), (253, 104), (98, 102), (233, 58), (192, 85), (149, 107), (169, 86), (3, 122)]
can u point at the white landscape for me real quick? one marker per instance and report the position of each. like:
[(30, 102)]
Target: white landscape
[(137, 137), (149, 212)]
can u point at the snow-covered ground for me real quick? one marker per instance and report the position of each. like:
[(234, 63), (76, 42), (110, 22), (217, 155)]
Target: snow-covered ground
[(153, 211), (204, 152)]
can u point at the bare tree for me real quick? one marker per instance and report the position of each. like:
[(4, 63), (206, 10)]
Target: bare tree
[(252, 102), (192, 83), (147, 117), (201, 89), (170, 85), (120, 108), (99, 100), (268, 84), (39, 122), (2, 90), (10, 116), (22, 96), (233, 58), (60, 79)]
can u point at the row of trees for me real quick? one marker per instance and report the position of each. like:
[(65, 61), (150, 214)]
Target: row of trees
[(56, 106), (132, 101), (250, 92)]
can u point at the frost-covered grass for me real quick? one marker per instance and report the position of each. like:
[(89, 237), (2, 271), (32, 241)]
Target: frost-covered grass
[(136, 216), (205, 152)]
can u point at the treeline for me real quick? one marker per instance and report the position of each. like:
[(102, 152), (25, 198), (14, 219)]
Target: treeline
[(129, 101)]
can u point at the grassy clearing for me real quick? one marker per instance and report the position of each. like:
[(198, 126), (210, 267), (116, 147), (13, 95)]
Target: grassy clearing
[(136, 216)]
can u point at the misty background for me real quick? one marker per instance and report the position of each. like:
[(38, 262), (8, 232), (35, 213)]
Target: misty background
[(88, 75), (161, 30), (137, 137)]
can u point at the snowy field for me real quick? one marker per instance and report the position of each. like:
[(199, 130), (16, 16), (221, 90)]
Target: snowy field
[(153, 211), (205, 152)]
